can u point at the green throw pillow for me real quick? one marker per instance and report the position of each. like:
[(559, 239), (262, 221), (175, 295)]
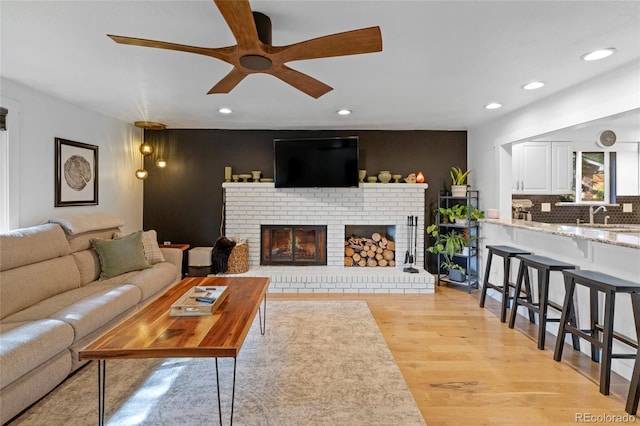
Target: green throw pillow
[(120, 255)]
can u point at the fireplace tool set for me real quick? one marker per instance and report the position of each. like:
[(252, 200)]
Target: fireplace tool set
[(412, 245)]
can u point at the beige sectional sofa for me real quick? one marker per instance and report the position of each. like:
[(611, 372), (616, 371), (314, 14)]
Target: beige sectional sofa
[(53, 302)]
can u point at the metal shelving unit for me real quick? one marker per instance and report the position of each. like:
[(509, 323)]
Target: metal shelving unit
[(470, 230)]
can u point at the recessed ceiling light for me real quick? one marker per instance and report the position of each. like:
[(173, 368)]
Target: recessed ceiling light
[(493, 105), (533, 85), (598, 54), (344, 111), (225, 110)]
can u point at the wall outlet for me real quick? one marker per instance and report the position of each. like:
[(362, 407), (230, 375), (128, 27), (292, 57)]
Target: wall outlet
[(627, 208), (545, 207)]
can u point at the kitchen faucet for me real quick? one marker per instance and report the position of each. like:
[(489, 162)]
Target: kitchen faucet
[(593, 212)]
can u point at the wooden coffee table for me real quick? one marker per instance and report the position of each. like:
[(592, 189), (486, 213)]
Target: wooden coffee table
[(152, 333)]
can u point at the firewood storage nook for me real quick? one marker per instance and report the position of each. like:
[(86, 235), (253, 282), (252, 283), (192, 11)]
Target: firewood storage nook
[(369, 245)]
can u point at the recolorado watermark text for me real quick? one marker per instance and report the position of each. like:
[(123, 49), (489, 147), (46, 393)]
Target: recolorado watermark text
[(604, 418)]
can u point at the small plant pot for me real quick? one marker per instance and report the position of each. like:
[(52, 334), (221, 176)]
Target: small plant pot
[(462, 222), (456, 275), (458, 190), (465, 251)]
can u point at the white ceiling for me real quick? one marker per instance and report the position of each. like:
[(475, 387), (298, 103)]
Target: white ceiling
[(441, 60)]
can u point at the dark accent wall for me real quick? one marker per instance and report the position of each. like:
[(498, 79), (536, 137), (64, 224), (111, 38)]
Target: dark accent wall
[(183, 202)]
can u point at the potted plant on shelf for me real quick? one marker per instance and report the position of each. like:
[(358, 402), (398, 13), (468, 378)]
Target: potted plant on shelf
[(448, 245), (458, 178), (455, 271), (454, 213)]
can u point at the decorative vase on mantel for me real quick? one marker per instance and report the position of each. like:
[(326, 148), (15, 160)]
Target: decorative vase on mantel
[(384, 176), (458, 190)]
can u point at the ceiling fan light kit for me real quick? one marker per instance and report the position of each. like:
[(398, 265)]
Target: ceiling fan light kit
[(254, 52)]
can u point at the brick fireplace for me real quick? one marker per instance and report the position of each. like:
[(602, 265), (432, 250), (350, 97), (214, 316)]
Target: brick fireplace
[(250, 206)]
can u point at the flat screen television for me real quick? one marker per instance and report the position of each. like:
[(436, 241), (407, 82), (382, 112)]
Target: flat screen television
[(316, 163)]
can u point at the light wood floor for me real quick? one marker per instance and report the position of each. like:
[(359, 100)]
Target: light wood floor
[(464, 367)]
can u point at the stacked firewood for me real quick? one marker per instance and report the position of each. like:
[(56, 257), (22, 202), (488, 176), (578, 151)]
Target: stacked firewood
[(375, 251)]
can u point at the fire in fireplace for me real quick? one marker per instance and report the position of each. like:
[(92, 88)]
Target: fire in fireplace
[(300, 245), (369, 245)]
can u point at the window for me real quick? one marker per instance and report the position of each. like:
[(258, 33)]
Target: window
[(4, 180), (9, 160), (591, 177)]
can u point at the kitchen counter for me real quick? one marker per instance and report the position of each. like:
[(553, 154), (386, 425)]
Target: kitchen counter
[(620, 235)]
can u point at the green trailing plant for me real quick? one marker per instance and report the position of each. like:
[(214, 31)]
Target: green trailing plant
[(461, 212), (437, 246), (458, 176), (447, 244), (477, 214), (458, 211), (453, 243), (449, 265)]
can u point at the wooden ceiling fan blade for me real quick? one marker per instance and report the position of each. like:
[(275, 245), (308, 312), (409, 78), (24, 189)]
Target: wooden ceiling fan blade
[(302, 82), (222, 53), (365, 40), (239, 17), (228, 82)]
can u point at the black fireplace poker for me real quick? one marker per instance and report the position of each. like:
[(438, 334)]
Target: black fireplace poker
[(412, 236)]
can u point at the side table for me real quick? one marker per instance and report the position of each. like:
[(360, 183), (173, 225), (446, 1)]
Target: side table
[(183, 247)]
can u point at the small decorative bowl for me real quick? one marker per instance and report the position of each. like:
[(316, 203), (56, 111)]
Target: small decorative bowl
[(372, 179), (245, 177), (397, 178)]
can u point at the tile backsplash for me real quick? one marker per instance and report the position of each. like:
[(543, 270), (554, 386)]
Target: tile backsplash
[(569, 214)]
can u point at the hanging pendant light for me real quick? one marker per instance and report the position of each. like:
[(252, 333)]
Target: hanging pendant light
[(142, 174), (146, 148)]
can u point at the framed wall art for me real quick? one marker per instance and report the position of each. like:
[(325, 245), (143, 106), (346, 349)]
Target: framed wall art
[(76, 174)]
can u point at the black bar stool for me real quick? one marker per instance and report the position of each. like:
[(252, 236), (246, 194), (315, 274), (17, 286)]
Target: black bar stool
[(634, 387), (609, 285), (507, 253), (544, 266)]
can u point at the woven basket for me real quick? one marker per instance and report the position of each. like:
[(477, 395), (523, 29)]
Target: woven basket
[(238, 259)]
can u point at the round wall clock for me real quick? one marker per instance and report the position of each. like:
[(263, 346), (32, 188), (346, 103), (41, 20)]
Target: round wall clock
[(606, 138)]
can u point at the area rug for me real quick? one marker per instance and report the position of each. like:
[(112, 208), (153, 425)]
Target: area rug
[(319, 363)]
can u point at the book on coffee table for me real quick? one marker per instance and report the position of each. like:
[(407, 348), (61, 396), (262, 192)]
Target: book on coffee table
[(199, 300)]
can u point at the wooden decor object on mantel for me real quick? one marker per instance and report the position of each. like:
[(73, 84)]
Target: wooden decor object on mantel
[(375, 251)]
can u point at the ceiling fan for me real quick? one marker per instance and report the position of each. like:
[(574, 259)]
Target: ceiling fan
[(254, 53)]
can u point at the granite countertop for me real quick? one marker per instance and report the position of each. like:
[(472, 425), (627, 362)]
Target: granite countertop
[(619, 235)]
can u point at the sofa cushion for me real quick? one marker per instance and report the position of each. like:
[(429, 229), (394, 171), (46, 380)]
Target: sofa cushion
[(79, 242), (26, 345), (80, 223), (33, 386), (25, 286), (17, 247), (151, 248), (151, 281), (85, 309), (120, 255), (88, 264)]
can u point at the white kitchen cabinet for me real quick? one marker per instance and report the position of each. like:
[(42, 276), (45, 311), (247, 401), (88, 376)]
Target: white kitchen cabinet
[(628, 169), (531, 168), (561, 168)]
